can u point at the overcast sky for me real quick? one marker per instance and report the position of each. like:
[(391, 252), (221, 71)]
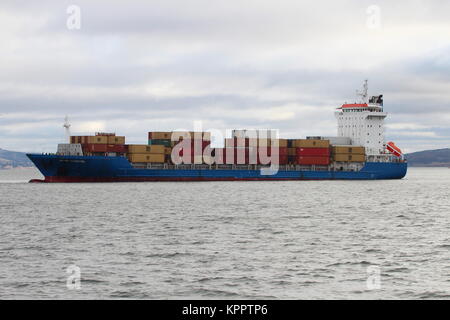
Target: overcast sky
[(139, 66)]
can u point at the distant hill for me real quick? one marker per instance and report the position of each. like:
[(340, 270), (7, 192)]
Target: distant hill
[(429, 158), (11, 159)]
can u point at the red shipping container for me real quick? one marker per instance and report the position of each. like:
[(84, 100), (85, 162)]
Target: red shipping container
[(192, 152), (281, 151), (218, 155), (240, 155), (292, 159), (77, 139), (197, 147), (313, 152), (203, 143), (248, 156), (223, 156), (264, 159), (282, 159), (94, 147), (118, 148), (320, 161), (231, 155)]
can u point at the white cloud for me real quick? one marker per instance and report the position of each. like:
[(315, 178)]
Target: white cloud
[(406, 126), (429, 134), (89, 126)]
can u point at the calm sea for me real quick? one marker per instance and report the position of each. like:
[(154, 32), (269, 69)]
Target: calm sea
[(226, 240)]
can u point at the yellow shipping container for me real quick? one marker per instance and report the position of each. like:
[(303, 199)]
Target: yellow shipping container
[(160, 135), (96, 139), (264, 143), (193, 135), (146, 157), (116, 140), (282, 143), (349, 157), (143, 148), (348, 149), (311, 143), (180, 135)]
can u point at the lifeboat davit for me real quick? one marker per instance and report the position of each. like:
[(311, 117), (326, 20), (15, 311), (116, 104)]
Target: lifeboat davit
[(392, 148)]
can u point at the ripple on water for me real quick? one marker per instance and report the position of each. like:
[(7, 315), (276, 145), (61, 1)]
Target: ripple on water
[(227, 240)]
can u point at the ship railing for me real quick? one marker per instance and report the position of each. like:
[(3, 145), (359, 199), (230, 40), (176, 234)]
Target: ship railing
[(288, 167)]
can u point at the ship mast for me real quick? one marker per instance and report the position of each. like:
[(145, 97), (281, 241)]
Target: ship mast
[(364, 92), (67, 125)]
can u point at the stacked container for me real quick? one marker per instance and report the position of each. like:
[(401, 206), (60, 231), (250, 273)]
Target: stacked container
[(146, 153), (238, 150), (199, 141), (277, 149), (101, 144), (231, 155), (89, 139), (180, 135), (292, 152), (160, 138), (312, 152), (252, 151), (195, 150), (348, 153), (280, 153)]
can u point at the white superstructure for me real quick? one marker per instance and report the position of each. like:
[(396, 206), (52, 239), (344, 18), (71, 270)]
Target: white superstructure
[(363, 122)]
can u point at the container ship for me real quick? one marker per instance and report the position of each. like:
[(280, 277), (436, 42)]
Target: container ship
[(358, 152)]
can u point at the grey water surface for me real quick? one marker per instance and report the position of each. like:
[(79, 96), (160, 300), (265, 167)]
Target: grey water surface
[(227, 240)]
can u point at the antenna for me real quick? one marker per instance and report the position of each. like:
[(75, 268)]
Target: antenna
[(67, 127), (363, 93)]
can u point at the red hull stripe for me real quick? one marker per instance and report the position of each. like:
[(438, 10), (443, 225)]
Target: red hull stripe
[(354, 105), (143, 179)]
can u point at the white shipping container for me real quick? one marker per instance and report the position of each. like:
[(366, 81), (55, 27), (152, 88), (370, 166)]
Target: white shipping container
[(268, 134), (69, 149), (344, 141), (241, 133)]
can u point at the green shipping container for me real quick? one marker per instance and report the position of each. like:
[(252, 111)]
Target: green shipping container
[(159, 142)]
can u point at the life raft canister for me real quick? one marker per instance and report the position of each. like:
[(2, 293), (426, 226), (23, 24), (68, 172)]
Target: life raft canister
[(392, 148)]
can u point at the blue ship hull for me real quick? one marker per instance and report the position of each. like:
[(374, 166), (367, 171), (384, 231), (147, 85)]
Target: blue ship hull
[(56, 168)]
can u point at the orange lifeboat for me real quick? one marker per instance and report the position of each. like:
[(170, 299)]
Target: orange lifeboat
[(392, 148)]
